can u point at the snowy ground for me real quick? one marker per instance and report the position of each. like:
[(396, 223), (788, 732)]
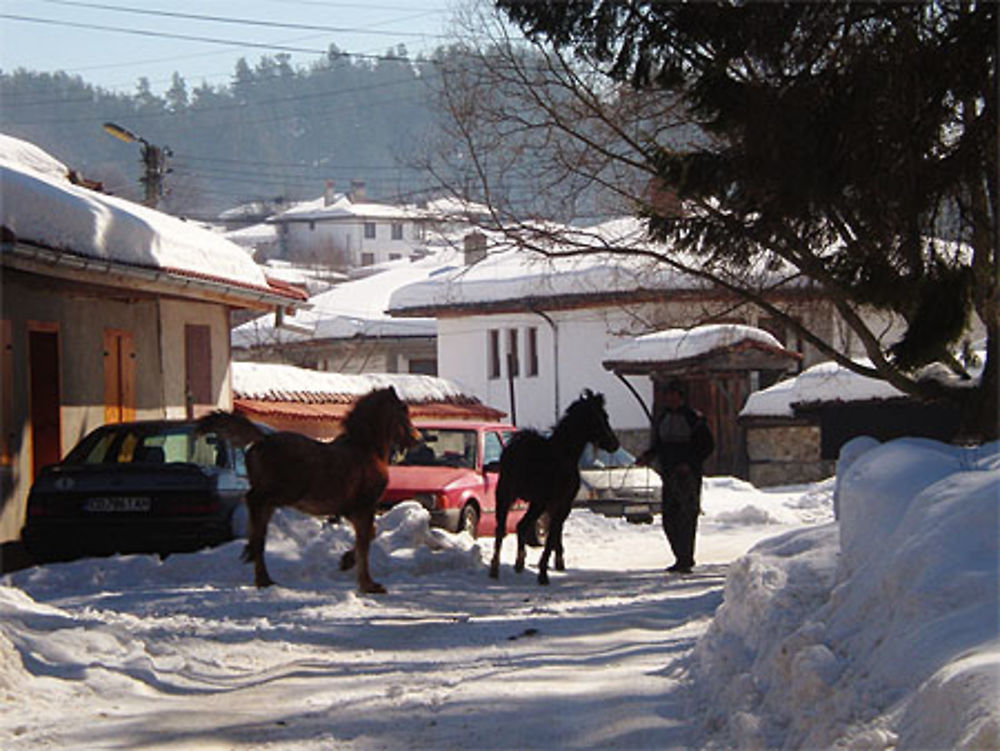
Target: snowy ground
[(133, 652)]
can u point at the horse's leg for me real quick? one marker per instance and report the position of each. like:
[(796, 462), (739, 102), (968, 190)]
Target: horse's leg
[(503, 501), (364, 533), (560, 562), (524, 526), (555, 533), (260, 515)]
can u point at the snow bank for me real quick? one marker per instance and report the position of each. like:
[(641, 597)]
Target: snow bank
[(877, 633)]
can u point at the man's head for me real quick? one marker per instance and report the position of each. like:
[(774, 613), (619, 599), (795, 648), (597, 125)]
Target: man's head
[(674, 394)]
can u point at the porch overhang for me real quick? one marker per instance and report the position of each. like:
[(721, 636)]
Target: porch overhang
[(743, 356)]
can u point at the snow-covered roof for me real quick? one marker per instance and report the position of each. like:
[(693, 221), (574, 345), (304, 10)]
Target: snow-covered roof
[(683, 344), (514, 274), (342, 208), (42, 207), (260, 233), (354, 308), (450, 208), (277, 382), (825, 382)]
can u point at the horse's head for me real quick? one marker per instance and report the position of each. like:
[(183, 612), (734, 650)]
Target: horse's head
[(595, 424), (383, 419)]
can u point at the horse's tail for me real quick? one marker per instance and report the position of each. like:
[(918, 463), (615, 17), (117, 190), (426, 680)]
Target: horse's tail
[(236, 427)]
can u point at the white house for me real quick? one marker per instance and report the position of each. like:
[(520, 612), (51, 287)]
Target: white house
[(527, 333), (348, 230)]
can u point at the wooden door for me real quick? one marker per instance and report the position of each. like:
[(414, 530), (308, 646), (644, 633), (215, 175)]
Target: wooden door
[(198, 369), (44, 397), (119, 376)]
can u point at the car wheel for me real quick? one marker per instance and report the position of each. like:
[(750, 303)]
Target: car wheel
[(468, 521), (540, 532)]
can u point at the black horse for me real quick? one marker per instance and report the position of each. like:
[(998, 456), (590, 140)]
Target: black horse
[(544, 472)]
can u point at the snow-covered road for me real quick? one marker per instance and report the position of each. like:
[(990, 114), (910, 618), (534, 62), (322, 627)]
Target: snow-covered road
[(134, 652)]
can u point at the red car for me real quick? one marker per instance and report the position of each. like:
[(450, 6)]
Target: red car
[(453, 473)]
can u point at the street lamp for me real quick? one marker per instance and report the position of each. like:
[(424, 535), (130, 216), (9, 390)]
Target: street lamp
[(153, 157)]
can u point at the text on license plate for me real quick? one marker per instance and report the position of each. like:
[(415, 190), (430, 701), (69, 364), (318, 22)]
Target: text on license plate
[(124, 503)]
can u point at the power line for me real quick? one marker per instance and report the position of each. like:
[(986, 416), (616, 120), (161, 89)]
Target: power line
[(243, 21), (207, 40)]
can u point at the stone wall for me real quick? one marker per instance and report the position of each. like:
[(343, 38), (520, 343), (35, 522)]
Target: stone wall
[(785, 453)]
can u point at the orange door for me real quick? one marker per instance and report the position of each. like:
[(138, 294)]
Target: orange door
[(119, 376)]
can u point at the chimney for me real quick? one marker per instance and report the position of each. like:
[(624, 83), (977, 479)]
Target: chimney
[(474, 245), (357, 191), (328, 194)]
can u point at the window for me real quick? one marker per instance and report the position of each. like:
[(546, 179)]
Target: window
[(369, 230), (492, 448), (532, 353), (513, 364), (395, 256), (367, 259), (397, 231), (312, 226), (493, 353)]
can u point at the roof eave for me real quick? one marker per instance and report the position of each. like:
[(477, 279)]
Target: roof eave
[(38, 259)]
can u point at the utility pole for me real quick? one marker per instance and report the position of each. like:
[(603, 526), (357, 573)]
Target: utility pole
[(154, 160)]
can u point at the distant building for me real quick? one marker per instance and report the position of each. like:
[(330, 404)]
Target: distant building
[(348, 230), (347, 329)]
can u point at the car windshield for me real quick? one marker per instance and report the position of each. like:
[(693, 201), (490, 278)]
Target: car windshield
[(441, 447), (155, 443), (595, 458)]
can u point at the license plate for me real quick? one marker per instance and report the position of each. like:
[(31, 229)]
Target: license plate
[(639, 509), (119, 504)]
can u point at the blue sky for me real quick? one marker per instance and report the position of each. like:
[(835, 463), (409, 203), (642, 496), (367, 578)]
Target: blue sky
[(89, 38)]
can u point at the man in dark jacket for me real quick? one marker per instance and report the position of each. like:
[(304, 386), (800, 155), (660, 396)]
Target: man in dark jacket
[(681, 441)]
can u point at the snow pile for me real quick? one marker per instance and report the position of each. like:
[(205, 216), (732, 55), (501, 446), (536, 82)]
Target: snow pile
[(407, 542), (40, 205), (681, 344), (879, 634)]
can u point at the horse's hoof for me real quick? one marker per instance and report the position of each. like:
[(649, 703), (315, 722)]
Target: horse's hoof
[(494, 573), (543, 579), (347, 560), (374, 588), (560, 566), (262, 583), (519, 566)]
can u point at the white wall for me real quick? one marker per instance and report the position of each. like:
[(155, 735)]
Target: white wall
[(583, 337), (348, 236)]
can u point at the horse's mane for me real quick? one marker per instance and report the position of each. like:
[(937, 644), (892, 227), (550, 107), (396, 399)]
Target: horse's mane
[(365, 423)]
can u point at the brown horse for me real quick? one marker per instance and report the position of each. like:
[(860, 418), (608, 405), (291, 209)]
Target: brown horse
[(344, 478), (544, 472)]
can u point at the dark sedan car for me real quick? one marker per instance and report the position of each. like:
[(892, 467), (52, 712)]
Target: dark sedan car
[(139, 487)]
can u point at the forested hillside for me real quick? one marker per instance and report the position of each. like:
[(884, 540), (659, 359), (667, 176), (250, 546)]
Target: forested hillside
[(273, 131)]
